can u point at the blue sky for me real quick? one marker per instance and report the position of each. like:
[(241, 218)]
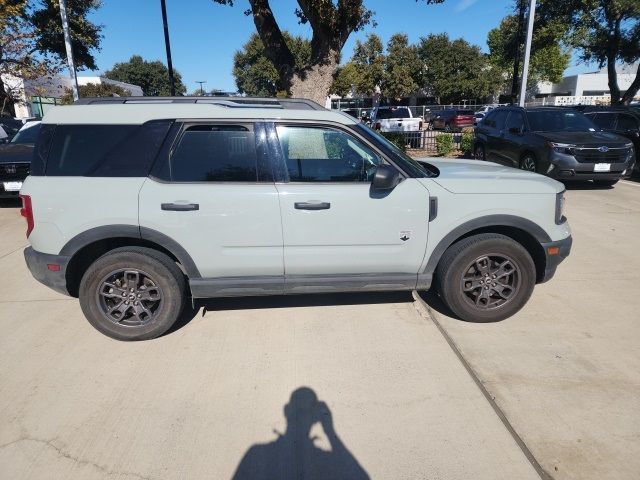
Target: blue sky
[(205, 35)]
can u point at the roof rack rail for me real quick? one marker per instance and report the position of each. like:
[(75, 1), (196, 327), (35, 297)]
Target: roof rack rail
[(231, 102)]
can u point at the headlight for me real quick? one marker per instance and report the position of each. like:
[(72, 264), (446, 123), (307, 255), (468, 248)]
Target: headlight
[(565, 148), (560, 218)]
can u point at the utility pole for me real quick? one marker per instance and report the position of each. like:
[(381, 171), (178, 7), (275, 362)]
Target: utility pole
[(201, 82), (67, 44), (527, 52), (168, 47), (516, 56)]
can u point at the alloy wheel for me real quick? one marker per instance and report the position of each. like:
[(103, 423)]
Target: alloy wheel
[(490, 281), (129, 297), (528, 164)]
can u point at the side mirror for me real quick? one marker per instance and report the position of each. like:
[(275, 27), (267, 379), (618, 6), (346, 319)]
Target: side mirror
[(385, 178)]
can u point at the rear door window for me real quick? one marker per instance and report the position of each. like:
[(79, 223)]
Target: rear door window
[(496, 119), (516, 122), (215, 153), (105, 150)]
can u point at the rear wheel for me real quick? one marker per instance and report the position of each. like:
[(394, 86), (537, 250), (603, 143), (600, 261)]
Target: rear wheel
[(132, 293), (447, 127), (486, 277), (479, 152), (605, 183)]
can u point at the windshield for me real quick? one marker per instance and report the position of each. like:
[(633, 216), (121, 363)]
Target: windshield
[(559, 121), (407, 163), (27, 134), (392, 113)]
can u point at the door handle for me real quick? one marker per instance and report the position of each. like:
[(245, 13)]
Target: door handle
[(180, 207), (312, 205)]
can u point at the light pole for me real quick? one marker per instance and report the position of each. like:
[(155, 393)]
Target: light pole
[(527, 53), (201, 82), (172, 84), (67, 44)]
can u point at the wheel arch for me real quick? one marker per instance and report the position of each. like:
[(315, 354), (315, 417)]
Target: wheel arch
[(85, 248), (523, 231)]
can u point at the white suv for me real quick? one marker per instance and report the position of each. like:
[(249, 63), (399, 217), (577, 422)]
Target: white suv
[(136, 204)]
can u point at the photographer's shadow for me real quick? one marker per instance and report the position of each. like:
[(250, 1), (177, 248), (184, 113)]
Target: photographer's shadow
[(294, 455)]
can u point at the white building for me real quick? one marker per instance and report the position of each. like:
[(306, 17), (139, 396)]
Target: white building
[(585, 88), (37, 96)]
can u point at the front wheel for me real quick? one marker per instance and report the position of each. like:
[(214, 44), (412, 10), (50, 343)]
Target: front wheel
[(132, 293), (528, 163), (486, 277)]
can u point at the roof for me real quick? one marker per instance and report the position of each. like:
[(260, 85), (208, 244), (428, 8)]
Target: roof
[(138, 110)]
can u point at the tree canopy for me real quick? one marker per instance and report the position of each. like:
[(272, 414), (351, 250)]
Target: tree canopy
[(602, 31), (151, 76), (96, 90), (549, 56), (331, 23), (256, 75), (32, 44), (455, 70)]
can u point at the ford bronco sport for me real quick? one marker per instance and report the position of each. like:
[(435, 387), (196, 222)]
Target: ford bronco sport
[(134, 205)]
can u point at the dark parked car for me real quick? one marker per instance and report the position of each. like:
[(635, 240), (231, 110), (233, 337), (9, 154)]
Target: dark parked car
[(623, 121), (453, 120), (15, 160), (559, 142)]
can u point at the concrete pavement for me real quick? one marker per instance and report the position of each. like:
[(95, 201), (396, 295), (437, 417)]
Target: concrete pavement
[(566, 369), (77, 405)]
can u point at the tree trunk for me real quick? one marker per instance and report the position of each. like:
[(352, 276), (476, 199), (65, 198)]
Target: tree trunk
[(632, 90), (6, 102), (315, 81), (614, 89)]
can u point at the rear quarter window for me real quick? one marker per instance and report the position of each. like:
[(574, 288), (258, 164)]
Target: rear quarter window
[(105, 150)]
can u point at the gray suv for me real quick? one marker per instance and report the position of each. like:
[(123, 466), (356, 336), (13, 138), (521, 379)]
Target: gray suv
[(138, 205), (558, 142)]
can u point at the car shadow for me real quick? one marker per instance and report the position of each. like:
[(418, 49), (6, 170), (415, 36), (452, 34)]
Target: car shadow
[(10, 203), (294, 454), (201, 306), (585, 185), (433, 300)]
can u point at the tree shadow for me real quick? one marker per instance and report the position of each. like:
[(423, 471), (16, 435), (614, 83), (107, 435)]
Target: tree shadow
[(294, 454)]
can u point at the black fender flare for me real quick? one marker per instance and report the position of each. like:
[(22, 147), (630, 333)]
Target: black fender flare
[(106, 232), (536, 231)]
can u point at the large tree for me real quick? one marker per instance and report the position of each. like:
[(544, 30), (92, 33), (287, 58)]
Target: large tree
[(331, 22), (256, 75), (603, 31), (456, 70), (369, 61), (549, 56), (96, 90), (32, 46), (402, 65), (85, 35), (151, 76)]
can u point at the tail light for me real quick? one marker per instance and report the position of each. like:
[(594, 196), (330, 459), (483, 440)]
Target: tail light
[(27, 212), (377, 126)]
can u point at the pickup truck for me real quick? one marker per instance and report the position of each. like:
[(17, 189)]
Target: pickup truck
[(397, 120)]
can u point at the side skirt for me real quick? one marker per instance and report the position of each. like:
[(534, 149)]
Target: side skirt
[(300, 284)]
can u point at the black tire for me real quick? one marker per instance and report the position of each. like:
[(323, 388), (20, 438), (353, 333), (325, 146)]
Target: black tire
[(113, 274), (453, 271), (605, 183), (447, 128), (478, 152), (529, 163)]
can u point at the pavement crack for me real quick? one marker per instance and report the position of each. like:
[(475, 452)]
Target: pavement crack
[(79, 461)]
